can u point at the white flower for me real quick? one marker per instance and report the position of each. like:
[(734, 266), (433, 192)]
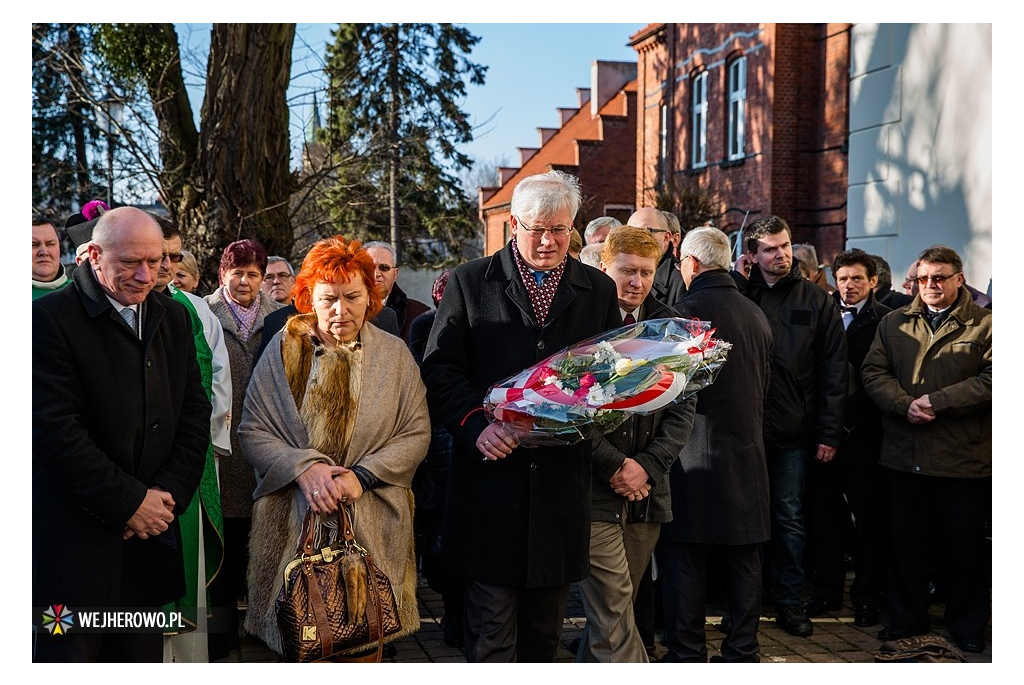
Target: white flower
[(606, 353), (598, 395)]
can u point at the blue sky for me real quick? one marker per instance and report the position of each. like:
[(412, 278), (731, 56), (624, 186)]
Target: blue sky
[(533, 70)]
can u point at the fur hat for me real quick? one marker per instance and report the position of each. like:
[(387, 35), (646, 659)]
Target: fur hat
[(79, 226)]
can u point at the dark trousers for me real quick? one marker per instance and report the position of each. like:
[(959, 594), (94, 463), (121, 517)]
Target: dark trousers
[(949, 514), (229, 585), (513, 624), (866, 492), (828, 519), (684, 592)]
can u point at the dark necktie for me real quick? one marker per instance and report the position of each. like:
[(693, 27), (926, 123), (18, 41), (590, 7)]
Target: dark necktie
[(629, 319), (935, 319)]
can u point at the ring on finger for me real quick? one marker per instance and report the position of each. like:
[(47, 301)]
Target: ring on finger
[(315, 493)]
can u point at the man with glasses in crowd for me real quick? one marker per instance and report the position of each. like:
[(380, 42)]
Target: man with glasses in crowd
[(929, 370), (517, 523), (668, 283), (406, 308), (277, 284)]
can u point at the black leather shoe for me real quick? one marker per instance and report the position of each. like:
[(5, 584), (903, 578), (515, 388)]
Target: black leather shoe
[(793, 620), (817, 606), (865, 616), (725, 626), (971, 644), (890, 633)]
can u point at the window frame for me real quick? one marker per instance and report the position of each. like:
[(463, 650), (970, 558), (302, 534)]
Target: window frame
[(699, 120), (736, 90)]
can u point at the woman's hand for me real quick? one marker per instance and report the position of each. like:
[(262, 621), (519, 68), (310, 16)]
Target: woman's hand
[(322, 491), (348, 483)]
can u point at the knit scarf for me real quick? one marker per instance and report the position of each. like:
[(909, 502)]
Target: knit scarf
[(540, 295), (245, 317)]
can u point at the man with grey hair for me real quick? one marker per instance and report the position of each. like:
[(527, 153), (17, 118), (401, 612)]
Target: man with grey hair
[(597, 230), (386, 273), (517, 521), (120, 426), (591, 255), (277, 284), (720, 499)]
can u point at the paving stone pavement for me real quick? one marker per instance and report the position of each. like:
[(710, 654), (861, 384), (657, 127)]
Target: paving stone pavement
[(835, 640)]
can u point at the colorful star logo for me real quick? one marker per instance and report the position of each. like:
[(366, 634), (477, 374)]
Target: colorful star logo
[(58, 619)]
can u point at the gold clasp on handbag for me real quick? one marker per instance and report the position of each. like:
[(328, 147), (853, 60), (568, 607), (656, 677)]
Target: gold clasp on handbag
[(328, 554)]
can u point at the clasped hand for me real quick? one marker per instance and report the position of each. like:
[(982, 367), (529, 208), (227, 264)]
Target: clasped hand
[(325, 487), (630, 480), (154, 515)]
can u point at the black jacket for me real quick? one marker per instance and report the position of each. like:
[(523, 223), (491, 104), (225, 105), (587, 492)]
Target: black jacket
[(720, 483), (406, 309), (653, 440), (807, 393), (112, 415), (668, 282), (523, 520)]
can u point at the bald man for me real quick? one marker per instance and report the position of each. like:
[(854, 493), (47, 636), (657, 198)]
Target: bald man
[(119, 433), (668, 283)]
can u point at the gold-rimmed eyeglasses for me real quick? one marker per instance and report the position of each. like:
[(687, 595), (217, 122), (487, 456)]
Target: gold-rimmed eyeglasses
[(557, 231)]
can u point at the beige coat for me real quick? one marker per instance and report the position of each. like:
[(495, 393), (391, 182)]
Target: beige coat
[(367, 407)]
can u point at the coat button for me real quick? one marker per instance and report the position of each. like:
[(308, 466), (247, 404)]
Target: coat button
[(533, 466), (154, 424), (618, 516), (917, 468), (540, 345), (149, 363)]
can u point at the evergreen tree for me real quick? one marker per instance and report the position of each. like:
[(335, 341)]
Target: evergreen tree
[(395, 106)]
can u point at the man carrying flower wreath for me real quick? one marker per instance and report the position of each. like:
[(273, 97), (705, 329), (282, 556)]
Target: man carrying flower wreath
[(517, 521), (630, 496)]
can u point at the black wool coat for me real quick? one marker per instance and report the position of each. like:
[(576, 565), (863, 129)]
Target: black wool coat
[(112, 415), (720, 482), (523, 520)]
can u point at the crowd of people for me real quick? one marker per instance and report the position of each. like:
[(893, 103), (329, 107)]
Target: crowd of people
[(184, 438)]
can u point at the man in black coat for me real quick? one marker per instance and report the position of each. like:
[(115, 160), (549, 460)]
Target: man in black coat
[(806, 398), (517, 520), (120, 428), (720, 502), (854, 472)]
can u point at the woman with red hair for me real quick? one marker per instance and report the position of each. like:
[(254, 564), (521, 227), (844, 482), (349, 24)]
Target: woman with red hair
[(335, 416)]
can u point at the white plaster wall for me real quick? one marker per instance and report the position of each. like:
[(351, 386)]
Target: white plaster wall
[(920, 164)]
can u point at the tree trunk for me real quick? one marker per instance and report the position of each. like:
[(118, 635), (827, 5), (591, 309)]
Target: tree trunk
[(243, 179)]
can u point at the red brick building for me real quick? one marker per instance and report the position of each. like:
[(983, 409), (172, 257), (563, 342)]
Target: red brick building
[(596, 142), (754, 115)]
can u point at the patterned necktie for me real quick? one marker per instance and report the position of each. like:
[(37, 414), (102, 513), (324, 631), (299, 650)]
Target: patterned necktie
[(629, 319), (128, 314)]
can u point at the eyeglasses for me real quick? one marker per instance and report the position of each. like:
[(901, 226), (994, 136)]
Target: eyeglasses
[(175, 257), (384, 268), (557, 231), (937, 280), (652, 231), (277, 277)]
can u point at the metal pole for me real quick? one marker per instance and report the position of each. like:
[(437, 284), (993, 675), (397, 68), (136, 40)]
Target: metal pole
[(110, 170)]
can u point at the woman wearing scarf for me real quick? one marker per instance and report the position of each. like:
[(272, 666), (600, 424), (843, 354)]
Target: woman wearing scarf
[(241, 308), (336, 415)]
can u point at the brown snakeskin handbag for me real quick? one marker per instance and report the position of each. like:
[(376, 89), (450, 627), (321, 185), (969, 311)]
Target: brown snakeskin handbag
[(335, 600)]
